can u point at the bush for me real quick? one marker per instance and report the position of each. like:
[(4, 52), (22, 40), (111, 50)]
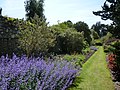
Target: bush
[(22, 73), (114, 59), (8, 35), (95, 34), (77, 59), (36, 37), (108, 48), (106, 38), (74, 41), (70, 41), (116, 51), (98, 42), (86, 50)]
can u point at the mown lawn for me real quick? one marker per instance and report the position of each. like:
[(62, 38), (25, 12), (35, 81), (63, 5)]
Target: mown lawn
[(95, 74)]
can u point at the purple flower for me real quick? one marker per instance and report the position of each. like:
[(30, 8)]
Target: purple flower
[(35, 73)]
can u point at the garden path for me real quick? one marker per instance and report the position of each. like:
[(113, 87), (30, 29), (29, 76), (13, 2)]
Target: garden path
[(95, 75)]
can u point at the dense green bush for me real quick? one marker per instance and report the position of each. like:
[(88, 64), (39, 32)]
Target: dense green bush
[(8, 35), (36, 37), (74, 41), (116, 51), (114, 58), (98, 42), (95, 34), (83, 27), (77, 59), (106, 38), (69, 41), (109, 48)]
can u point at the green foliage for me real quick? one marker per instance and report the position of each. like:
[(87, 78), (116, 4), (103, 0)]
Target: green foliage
[(98, 42), (8, 35), (116, 51), (33, 7), (108, 48), (69, 24), (111, 10), (78, 58), (114, 58), (83, 27), (95, 34), (68, 40), (74, 41), (106, 38), (101, 29), (0, 11), (86, 50), (36, 38)]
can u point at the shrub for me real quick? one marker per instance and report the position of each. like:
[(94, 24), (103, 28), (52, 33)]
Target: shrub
[(109, 48), (22, 73), (36, 37), (95, 34), (8, 35), (106, 38), (114, 60), (98, 42), (86, 50), (74, 41), (68, 40), (77, 59), (111, 62), (116, 51)]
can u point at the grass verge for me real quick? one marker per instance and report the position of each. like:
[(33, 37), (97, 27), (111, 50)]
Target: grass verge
[(95, 74)]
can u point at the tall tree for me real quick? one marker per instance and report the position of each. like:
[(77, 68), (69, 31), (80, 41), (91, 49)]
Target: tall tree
[(83, 27), (33, 7), (111, 10), (69, 23), (0, 11), (35, 37), (101, 29)]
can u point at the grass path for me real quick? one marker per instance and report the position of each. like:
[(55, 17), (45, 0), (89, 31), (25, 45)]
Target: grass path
[(95, 74)]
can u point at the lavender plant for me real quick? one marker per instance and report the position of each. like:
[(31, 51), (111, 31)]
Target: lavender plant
[(22, 73)]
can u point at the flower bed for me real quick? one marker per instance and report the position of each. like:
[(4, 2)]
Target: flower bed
[(22, 73)]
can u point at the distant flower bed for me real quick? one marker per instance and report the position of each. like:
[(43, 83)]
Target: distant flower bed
[(22, 73)]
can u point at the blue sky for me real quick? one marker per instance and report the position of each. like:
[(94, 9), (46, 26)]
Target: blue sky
[(62, 10)]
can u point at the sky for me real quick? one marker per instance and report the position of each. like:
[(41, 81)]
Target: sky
[(58, 10)]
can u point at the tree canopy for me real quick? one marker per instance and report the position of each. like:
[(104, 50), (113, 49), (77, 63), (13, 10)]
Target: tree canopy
[(33, 7), (111, 10), (83, 27), (100, 28)]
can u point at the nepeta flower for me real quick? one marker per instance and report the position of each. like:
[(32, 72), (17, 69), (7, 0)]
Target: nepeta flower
[(22, 73)]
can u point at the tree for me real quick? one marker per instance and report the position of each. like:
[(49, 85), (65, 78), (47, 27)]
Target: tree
[(68, 40), (111, 10), (35, 37), (83, 27), (0, 11), (101, 29), (33, 7), (69, 23)]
